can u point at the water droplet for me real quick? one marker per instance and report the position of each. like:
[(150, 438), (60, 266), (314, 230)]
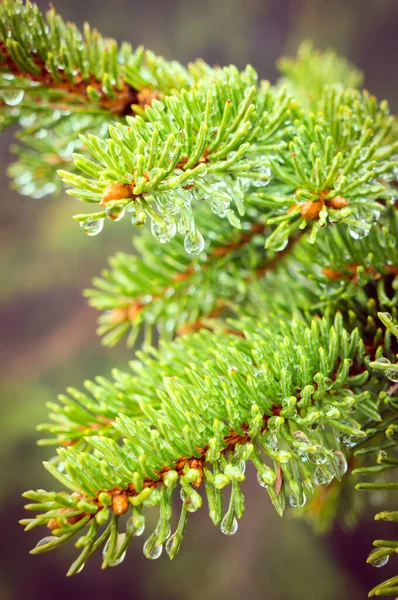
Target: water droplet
[(297, 501), (194, 242), (139, 525), (242, 466), (115, 562), (151, 550), (115, 212), (170, 202), (318, 456), (170, 543), (322, 477), (380, 562), (358, 233), (261, 481), (163, 232), (192, 500), (301, 437), (272, 441), (278, 244), (13, 97), (392, 374), (27, 120), (92, 228), (186, 222), (244, 183), (139, 218), (220, 207), (383, 360), (186, 196), (303, 440), (46, 540), (341, 462), (227, 527), (264, 171), (202, 194), (166, 533), (346, 438)]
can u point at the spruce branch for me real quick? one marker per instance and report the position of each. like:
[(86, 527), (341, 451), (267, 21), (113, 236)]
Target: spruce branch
[(44, 58), (57, 82), (176, 294), (191, 148), (338, 168), (384, 443), (269, 272), (311, 71), (332, 166), (243, 403)]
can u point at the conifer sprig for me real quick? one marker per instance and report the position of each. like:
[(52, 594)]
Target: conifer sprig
[(179, 295), (311, 71), (190, 149), (278, 203), (382, 450), (41, 56), (330, 167), (207, 422), (337, 168)]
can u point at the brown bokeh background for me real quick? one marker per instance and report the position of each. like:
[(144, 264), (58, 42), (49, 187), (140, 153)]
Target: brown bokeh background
[(48, 339)]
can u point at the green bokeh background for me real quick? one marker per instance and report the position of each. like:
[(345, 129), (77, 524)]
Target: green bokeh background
[(48, 339)]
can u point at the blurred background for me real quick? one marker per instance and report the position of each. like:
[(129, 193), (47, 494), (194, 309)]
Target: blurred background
[(48, 336)]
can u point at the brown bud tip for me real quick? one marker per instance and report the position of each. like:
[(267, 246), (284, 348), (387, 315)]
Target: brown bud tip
[(75, 519), (310, 210), (116, 191), (146, 96), (53, 524), (133, 310), (118, 315), (331, 273), (120, 504), (337, 202)]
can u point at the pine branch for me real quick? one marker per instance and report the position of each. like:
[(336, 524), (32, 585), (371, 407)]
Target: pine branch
[(289, 343), (57, 83), (216, 415), (384, 440), (337, 167), (190, 149), (310, 72), (176, 294), (45, 148), (42, 56)]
